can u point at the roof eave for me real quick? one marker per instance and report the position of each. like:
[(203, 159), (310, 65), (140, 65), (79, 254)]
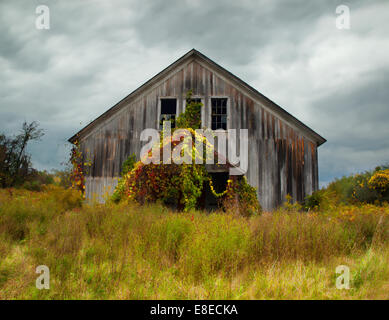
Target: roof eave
[(319, 139), (144, 86)]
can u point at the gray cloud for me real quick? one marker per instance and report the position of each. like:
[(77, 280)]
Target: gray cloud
[(357, 128), (96, 52)]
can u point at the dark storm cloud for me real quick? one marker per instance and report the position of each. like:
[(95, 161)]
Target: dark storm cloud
[(358, 118), (233, 31), (356, 124), (96, 52)]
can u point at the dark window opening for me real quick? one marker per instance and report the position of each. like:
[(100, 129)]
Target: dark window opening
[(219, 113), (219, 181), (168, 112)]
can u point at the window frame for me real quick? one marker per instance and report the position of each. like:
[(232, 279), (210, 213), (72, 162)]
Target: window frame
[(227, 111), (159, 108)]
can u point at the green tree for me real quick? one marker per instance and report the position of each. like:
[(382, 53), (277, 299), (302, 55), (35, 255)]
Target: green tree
[(15, 162)]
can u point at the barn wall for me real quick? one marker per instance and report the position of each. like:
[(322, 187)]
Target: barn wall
[(281, 159)]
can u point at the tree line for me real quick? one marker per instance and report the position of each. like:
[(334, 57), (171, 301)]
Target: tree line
[(16, 168)]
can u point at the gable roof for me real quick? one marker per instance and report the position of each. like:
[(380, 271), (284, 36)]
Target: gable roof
[(194, 54)]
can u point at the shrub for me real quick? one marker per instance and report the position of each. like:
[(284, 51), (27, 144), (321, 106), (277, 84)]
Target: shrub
[(290, 206), (321, 200), (379, 182), (314, 201), (241, 197), (367, 187), (62, 178), (127, 166), (32, 186)]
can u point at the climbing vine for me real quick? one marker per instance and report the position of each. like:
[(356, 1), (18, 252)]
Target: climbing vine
[(127, 166), (172, 184), (240, 197), (182, 185), (191, 118), (221, 194), (80, 167)]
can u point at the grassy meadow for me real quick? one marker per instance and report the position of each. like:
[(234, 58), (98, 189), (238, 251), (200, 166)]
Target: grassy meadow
[(124, 251)]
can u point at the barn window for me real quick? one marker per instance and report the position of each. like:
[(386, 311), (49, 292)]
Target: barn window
[(168, 112), (219, 113)]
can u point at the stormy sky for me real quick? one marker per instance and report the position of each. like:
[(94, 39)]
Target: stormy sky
[(96, 52)]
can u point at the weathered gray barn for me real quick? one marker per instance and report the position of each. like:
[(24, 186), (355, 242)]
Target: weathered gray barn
[(282, 150)]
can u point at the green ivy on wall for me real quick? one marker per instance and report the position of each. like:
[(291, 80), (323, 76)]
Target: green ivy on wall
[(182, 185)]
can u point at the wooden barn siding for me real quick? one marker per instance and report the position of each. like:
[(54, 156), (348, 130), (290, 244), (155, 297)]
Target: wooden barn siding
[(281, 160)]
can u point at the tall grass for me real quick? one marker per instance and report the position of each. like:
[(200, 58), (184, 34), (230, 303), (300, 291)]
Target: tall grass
[(132, 252)]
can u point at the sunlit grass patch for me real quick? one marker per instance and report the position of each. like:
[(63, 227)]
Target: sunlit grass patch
[(125, 251)]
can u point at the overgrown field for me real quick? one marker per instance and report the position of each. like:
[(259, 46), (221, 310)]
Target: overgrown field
[(121, 251)]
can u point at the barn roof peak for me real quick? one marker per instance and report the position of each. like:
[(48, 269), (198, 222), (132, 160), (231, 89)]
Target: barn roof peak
[(195, 54)]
